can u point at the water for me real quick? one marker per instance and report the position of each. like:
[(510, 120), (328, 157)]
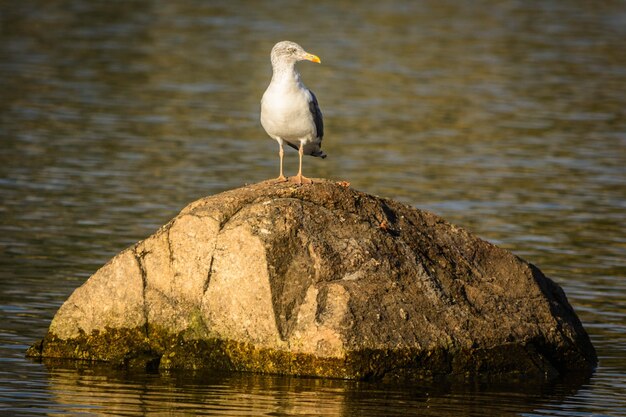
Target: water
[(504, 117)]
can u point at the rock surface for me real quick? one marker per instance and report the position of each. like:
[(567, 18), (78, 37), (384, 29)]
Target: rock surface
[(320, 280)]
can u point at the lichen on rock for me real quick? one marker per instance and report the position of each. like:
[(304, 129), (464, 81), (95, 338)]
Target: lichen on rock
[(319, 280)]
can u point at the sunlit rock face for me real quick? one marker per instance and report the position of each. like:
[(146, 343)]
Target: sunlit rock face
[(319, 280)]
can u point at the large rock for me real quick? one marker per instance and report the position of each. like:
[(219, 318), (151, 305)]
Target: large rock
[(319, 280)]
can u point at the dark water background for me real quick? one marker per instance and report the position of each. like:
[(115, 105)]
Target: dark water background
[(506, 117)]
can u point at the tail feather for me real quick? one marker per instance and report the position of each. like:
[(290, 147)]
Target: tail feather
[(310, 148)]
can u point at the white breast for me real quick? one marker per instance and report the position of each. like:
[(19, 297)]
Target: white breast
[(285, 112)]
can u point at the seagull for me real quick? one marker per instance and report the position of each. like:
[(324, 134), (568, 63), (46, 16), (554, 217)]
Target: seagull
[(289, 111)]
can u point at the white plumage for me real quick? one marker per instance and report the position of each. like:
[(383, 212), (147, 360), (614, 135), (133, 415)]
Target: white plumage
[(289, 111)]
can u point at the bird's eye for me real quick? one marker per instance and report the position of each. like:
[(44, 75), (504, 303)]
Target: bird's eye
[(291, 50)]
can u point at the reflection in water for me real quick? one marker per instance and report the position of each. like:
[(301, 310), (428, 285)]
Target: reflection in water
[(103, 391), (506, 118)]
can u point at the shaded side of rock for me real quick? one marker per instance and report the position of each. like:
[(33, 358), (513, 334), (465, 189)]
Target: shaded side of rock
[(320, 280)]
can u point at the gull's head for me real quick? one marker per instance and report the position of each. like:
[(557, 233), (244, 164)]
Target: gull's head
[(287, 52)]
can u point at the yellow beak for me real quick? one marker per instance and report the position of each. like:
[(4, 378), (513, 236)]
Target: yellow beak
[(312, 58)]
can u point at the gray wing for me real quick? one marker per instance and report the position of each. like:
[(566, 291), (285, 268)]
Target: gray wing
[(317, 115)]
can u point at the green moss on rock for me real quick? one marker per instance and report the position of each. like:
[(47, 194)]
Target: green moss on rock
[(130, 348)]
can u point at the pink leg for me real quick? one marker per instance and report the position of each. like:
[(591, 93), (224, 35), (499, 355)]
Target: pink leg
[(281, 153), (301, 179)]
